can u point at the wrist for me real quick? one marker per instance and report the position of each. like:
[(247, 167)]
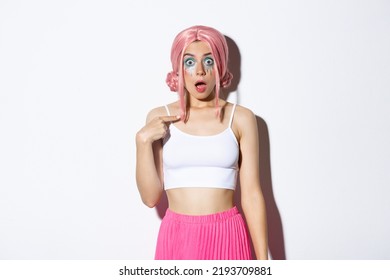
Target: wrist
[(142, 139)]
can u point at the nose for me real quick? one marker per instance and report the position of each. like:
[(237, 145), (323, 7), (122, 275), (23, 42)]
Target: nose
[(200, 70)]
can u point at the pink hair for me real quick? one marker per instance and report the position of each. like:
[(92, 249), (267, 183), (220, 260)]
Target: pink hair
[(219, 50)]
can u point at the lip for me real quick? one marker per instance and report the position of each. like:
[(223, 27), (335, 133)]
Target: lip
[(200, 82), (200, 86)]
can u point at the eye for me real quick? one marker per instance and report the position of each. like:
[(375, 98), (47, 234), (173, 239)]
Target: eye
[(208, 61), (189, 62)]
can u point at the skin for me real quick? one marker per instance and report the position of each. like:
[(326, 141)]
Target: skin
[(203, 121)]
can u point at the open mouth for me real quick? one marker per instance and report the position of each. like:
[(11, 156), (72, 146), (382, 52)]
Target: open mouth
[(200, 86)]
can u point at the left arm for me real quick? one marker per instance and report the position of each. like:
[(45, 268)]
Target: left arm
[(252, 199)]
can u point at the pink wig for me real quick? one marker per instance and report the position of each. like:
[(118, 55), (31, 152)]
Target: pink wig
[(219, 50)]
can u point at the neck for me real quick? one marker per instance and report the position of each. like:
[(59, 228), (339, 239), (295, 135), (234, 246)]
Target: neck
[(210, 101)]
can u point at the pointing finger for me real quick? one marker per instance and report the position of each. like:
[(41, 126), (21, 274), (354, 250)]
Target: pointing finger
[(170, 118)]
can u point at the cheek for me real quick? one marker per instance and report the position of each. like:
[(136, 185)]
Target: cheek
[(209, 69), (187, 77), (189, 70)]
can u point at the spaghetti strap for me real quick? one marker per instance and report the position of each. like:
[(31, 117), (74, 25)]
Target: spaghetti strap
[(232, 114), (166, 108)]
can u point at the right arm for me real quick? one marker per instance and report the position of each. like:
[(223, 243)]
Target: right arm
[(149, 157)]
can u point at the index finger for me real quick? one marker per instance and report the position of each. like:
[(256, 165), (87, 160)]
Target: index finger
[(170, 118)]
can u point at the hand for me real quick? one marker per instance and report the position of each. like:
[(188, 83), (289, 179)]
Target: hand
[(155, 129)]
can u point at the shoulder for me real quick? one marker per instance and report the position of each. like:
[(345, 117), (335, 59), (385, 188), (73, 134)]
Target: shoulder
[(243, 115), (155, 113), (162, 111), (244, 121), (243, 112)]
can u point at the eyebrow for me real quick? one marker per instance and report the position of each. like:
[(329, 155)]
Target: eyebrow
[(190, 54)]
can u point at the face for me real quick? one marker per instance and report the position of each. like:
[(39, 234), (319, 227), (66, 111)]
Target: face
[(199, 70)]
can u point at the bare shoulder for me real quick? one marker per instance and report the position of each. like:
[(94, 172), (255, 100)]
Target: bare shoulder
[(244, 116), (162, 111), (155, 112), (243, 112), (244, 121)]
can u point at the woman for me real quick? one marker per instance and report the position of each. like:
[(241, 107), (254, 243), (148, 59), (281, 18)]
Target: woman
[(195, 149)]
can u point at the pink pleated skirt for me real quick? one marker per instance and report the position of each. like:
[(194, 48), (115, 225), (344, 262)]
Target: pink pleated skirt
[(219, 236)]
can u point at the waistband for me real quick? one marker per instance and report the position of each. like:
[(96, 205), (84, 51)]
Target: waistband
[(209, 218)]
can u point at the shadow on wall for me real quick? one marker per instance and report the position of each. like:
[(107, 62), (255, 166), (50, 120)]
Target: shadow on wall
[(234, 66), (275, 228)]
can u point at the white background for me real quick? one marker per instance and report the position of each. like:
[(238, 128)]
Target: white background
[(77, 79)]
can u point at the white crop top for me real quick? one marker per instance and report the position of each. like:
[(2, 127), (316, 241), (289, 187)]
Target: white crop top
[(200, 161)]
